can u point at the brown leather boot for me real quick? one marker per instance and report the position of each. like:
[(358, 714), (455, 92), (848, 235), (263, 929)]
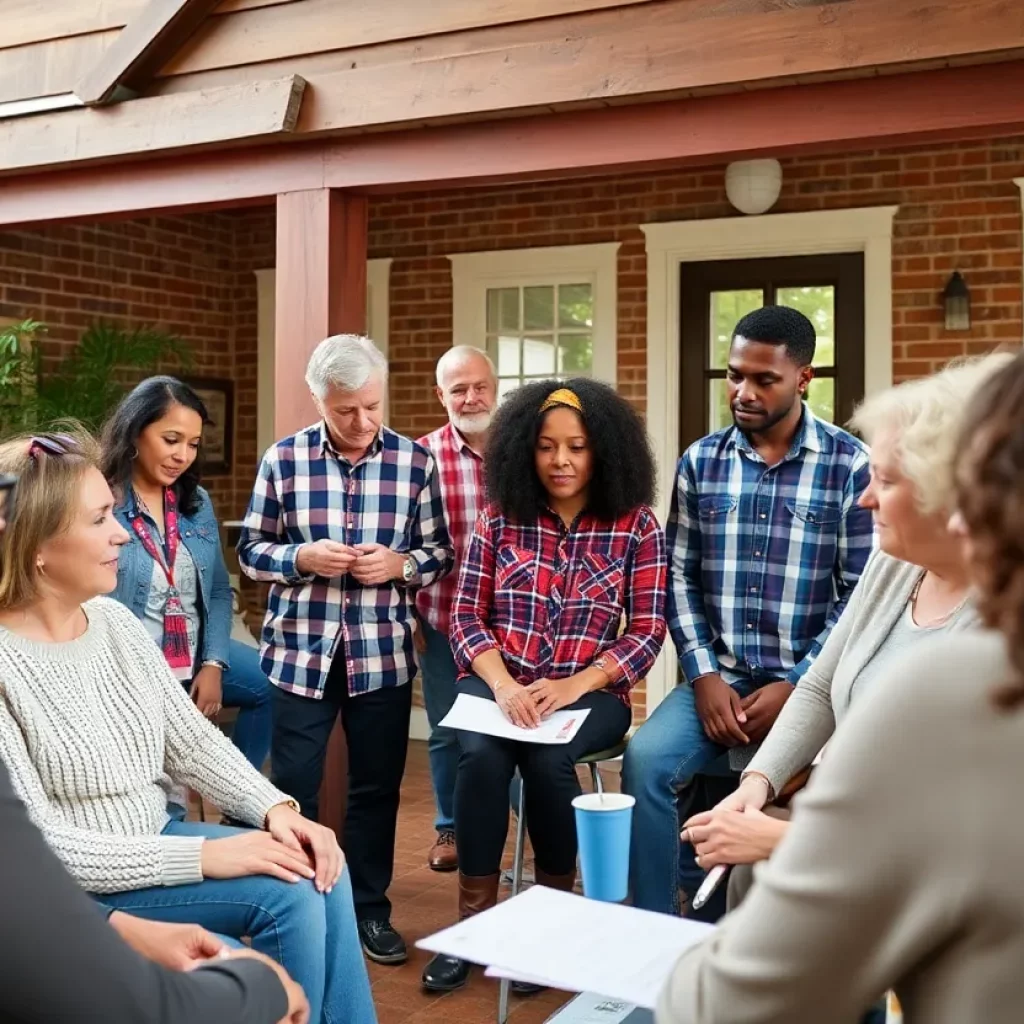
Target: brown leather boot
[(564, 883), (447, 973)]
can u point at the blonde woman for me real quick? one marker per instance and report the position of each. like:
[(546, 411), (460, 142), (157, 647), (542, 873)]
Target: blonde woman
[(94, 727)]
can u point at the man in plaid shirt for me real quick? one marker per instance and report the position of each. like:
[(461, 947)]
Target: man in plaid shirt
[(767, 541), (467, 387), (345, 518)]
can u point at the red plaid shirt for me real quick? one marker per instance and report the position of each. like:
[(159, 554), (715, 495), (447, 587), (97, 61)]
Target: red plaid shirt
[(461, 473), (552, 598)]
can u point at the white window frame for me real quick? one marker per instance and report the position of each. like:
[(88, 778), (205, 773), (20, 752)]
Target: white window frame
[(474, 273), (378, 311), (671, 245)]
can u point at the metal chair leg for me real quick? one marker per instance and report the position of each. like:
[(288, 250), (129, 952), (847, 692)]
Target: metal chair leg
[(517, 884), (595, 776)]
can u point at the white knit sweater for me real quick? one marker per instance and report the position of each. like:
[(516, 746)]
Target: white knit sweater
[(94, 731)]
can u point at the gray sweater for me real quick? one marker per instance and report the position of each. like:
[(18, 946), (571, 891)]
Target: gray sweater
[(823, 696), (900, 869)]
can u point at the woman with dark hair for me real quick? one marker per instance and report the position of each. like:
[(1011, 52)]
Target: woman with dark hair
[(560, 605), (901, 868), (171, 574)]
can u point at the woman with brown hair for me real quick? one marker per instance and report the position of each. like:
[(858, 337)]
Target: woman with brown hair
[(94, 727), (901, 869)]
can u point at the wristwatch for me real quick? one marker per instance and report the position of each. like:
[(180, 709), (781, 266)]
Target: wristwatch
[(408, 570)]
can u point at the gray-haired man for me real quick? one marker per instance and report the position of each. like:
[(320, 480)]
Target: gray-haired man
[(345, 517)]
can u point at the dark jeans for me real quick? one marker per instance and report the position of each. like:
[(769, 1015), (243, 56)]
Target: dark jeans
[(376, 728), (486, 767)]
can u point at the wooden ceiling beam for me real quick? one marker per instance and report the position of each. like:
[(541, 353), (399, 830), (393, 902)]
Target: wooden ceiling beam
[(237, 113), (835, 117), (142, 47)]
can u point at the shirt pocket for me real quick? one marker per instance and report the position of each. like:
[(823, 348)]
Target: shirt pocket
[(716, 507), (815, 515), (600, 579), (515, 568)]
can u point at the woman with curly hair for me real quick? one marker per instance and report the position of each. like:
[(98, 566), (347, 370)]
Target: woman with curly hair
[(560, 605), (901, 868)]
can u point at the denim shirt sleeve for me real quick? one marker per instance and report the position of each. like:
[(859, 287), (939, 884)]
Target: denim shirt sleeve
[(220, 600)]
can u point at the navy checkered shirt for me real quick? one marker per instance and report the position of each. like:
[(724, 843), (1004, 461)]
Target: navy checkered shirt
[(306, 492), (764, 559)]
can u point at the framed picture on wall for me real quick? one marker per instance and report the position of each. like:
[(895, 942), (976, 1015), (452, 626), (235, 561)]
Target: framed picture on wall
[(218, 396)]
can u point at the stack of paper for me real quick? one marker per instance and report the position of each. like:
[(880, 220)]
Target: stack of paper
[(477, 714), (579, 945)]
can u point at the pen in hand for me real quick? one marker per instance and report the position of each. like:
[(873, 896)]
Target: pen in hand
[(708, 886)]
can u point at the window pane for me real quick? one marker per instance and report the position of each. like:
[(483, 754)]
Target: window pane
[(821, 397), (506, 385), (538, 357), (575, 355), (726, 310), (818, 304), (502, 309), (575, 306), (719, 415), (539, 308), (505, 352)]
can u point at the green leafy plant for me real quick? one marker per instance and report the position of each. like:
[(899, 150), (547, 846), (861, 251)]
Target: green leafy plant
[(87, 383)]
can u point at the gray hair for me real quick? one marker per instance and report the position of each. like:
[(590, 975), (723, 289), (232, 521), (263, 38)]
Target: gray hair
[(345, 361), (459, 354), (927, 415)]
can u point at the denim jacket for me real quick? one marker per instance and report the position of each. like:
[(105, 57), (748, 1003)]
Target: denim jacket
[(200, 535)]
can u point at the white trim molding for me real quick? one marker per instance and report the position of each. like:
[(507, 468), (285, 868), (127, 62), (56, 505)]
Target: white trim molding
[(378, 312), (473, 273), (670, 245)]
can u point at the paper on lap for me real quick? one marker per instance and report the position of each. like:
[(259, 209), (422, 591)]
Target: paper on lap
[(477, 714), (579, 945)]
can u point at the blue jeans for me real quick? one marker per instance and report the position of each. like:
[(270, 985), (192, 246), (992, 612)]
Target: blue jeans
[(312, 935), (439, 692), (668, 750), (246, 687)]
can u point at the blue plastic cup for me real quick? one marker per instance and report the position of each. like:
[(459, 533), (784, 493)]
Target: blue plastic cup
[(603, 826)]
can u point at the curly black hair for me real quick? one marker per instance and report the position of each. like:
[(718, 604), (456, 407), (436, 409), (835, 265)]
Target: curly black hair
[(624, 474), (780, 325), (143, 405)]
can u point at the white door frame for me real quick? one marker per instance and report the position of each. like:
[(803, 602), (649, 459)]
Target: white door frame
[(670, 245)]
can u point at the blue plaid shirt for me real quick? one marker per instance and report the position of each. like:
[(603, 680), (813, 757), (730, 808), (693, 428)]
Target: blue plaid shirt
[(763, 559), (306, 492)]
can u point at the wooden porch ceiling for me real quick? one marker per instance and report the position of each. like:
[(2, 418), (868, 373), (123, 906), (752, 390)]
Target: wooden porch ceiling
[(828, 117)]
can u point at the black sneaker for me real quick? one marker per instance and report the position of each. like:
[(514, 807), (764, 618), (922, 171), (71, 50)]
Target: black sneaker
[(381, 943)]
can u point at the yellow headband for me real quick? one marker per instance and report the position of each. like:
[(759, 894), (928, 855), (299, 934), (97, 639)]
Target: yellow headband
[(562, 396)]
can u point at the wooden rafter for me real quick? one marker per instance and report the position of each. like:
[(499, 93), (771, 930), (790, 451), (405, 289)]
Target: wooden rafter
[(146, 43), (257, 110)]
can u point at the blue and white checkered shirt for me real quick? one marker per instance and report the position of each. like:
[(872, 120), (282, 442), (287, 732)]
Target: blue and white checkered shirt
[(305, 492), (763, 559)]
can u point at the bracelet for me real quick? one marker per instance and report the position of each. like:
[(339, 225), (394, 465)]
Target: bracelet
[(763, 778)]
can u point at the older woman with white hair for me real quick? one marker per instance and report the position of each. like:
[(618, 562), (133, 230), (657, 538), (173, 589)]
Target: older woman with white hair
[(346, 517), (914, 588)]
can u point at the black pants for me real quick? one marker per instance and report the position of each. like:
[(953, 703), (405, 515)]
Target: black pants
[(376, 728), (486, 767)]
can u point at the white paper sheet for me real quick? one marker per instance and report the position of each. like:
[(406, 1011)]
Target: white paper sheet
[(477, 714), (575, 944)]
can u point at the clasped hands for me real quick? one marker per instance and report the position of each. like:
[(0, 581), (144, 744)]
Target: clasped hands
[(528, 706), (371, 564)]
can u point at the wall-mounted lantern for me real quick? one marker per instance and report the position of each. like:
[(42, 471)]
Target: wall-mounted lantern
[(957, 302)]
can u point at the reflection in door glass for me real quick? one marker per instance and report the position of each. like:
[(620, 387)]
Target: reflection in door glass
[(727, 308), (818, 304)]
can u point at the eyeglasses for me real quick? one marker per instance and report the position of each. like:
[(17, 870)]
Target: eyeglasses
[(50, 444)]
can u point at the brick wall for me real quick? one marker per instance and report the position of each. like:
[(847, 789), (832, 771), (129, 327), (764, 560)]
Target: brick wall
[(180, 274), (959, 208)]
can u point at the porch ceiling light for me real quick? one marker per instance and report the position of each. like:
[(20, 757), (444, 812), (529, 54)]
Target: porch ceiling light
[(753, 186), (957, 301)]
